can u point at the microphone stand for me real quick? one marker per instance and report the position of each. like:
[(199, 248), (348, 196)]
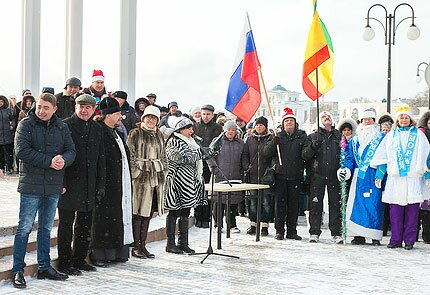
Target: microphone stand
[(210, 250)]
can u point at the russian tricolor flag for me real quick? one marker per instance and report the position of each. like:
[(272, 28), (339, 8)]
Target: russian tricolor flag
[(243, 96)]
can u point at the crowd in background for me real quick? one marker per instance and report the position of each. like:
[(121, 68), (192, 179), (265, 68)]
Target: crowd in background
[(109, 167)]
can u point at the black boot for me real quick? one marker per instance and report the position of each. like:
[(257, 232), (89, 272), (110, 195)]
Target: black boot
[(183, 235), (358, 240), (143, 235), (425, 218), (137, 225), (170, 232)]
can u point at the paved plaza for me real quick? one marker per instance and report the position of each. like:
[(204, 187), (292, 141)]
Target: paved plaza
[(266, 267)]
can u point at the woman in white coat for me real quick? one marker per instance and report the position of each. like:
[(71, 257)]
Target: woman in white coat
[(403, 152)]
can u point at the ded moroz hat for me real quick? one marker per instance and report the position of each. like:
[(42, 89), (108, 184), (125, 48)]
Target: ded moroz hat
[(289, 113), (98, 76)]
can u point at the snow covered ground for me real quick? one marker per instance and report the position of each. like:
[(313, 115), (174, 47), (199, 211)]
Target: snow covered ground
[(266, 267)]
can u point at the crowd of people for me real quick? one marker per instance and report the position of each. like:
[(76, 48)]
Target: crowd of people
[(109, 168)]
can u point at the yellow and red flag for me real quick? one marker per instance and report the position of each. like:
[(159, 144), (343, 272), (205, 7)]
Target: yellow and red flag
[(319, 59)]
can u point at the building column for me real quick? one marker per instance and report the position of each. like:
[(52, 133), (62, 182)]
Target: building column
[(30, 44), (74, 18), (127, 51)]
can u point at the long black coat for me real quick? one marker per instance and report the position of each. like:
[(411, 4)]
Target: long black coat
[(87, 173), (108, 231)]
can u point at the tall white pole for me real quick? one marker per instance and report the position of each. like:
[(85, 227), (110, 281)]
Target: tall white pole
[(74, 19), (127, 51), (30, 44)]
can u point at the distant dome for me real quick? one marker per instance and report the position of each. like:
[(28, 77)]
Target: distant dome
[(279, 88)]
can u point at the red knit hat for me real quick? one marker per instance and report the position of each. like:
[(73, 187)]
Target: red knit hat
[(289, 113), (98, 76)]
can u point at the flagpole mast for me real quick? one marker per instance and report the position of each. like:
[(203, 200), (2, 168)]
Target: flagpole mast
[(271, 114), (318, 101), (267, 100)]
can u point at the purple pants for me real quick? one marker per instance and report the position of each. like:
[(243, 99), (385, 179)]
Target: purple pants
[(404, 221)]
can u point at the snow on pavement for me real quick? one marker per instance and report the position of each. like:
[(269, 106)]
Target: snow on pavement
[(269, 266)]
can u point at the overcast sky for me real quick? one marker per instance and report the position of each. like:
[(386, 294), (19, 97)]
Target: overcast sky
[(186, 49)]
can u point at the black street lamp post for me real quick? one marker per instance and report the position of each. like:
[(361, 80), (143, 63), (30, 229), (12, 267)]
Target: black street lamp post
[(390, 29)]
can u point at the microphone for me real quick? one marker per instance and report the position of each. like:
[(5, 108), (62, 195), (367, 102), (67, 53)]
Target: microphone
[(217, 142), (198, 139)]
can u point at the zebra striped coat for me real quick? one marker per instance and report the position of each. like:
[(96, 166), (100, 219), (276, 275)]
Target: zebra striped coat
[(184, 188)]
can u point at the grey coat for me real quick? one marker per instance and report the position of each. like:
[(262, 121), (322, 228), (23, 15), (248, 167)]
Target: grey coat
[(229, 161)]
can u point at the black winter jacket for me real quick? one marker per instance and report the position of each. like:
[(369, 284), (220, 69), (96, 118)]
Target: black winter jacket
[(36, 143), (291, 147), (250, 162), (65, 105), (208, 131), (87, 174), (6, 123), (129, 116), (324, 160)]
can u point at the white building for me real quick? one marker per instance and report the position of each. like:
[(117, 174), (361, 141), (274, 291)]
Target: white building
[(280, 98)]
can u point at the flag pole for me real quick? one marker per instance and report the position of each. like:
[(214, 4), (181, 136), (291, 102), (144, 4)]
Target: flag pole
[(268, 103), (318, 101), (270, 113)]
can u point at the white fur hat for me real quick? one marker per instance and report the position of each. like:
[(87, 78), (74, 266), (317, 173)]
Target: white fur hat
[(403, 109), (182, 122), (151, 110), (328, 114), (368, 113)]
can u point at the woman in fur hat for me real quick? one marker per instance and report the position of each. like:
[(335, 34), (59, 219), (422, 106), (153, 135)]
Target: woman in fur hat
[(184, 188), (347, 127), (148, 166), (403, 152)]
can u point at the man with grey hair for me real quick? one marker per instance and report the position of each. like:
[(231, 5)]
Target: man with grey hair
[(84, 181)]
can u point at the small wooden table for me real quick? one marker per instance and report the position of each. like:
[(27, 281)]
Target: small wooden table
[(221, 188)]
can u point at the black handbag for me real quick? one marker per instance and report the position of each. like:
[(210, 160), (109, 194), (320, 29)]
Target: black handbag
[(269, 176)]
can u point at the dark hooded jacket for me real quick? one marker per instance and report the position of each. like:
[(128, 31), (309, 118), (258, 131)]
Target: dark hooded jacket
[(6, 122)]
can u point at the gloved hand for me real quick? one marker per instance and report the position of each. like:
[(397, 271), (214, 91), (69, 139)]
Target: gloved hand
[(343, 174), (206, 152), (316, 142), (100, 193), (378, 182), (275, 139)]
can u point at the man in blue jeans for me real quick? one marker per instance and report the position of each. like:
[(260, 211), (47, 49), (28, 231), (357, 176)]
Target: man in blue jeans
[(255, 164), (45, 147)]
